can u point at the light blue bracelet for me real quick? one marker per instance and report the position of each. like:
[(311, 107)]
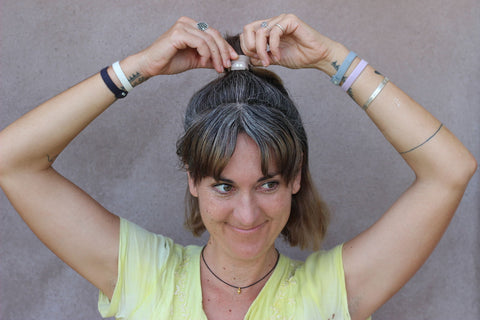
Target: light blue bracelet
[(337, 78)]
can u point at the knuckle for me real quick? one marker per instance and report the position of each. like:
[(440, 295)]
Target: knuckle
[(181, 23), (210, 39), (215, 32), (186, 19), (290, 16), (204, 52), (183, 19)]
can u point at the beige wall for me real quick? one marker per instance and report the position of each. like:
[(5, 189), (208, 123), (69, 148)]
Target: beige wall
[(126, 158)]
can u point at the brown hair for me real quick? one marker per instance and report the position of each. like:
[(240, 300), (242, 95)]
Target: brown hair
[(256, 103)]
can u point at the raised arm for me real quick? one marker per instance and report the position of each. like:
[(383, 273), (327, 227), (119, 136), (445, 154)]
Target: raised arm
[(73, 225), (379, 261)]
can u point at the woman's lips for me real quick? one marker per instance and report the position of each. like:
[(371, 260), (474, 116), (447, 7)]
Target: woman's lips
[(248, 230)]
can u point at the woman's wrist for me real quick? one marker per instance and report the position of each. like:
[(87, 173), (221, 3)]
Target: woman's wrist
[(333, 60), (132, 68)]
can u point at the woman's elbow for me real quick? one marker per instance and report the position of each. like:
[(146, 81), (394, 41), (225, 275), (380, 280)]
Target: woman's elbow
[(451, 170), (461, 172)]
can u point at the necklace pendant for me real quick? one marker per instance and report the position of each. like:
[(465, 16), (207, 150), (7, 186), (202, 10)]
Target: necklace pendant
[(239, 290)]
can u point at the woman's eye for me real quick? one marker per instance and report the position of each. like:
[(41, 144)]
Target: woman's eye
[(270, 186), (223, 188)]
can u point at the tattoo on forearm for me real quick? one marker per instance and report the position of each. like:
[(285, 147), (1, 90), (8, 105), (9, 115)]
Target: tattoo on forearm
[(335, 65), (51, 159), (136, 79), (350, 93)]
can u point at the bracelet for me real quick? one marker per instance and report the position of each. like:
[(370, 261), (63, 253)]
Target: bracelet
[(337, 78), (375, 93), (121, 76), (354, 75), (119, 93)]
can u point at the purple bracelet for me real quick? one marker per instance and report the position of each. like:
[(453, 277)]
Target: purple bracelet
[(354, 75)]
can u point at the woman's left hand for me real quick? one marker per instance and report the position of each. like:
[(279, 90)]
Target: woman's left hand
[(287, 41)]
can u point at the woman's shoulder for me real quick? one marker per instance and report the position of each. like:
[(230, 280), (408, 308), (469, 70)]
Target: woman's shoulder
[(136, 239), (326, 258), (153, 271), (322, 270), (310, 289)]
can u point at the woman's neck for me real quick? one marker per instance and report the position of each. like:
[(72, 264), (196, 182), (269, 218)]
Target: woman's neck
[(236, 271)]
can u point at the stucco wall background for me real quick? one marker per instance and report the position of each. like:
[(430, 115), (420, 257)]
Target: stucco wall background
[(126, 158)]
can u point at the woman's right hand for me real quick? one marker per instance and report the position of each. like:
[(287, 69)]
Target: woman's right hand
[(184, 47)]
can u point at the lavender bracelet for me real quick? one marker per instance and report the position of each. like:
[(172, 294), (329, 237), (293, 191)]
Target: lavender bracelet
[(354, 75)]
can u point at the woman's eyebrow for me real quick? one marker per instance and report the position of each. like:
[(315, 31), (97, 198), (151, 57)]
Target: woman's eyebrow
[(268, 176)]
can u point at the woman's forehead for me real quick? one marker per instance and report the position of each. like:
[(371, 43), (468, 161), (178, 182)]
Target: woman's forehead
[(246, 160)]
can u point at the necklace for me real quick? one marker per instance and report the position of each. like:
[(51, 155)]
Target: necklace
[(239, 289)]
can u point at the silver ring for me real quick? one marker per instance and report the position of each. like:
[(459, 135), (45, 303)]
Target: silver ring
[(264, 24), (280, 26), (202, 26)]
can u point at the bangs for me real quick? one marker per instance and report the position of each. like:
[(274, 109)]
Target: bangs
[(209, 142)]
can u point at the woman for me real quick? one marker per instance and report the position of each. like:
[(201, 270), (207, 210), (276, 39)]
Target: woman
[(245, 190)]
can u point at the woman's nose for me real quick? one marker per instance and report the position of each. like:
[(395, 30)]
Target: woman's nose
[(246, 210)]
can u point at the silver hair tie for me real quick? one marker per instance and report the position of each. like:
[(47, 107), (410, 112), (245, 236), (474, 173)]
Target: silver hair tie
[(241, 63), (202, 26)]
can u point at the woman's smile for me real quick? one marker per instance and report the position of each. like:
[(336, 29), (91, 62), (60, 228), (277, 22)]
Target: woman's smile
[(248, 230)]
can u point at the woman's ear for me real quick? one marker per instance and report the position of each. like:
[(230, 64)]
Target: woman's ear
[(296, 183), (192, 186)]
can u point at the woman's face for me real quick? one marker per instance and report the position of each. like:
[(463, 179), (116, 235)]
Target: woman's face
[(244, 211)]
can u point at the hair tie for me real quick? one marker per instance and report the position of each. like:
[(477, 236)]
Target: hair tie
[(241, 63)]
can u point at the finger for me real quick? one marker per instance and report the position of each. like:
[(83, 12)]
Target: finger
[(262, 35), (189, 38), (213, 39), (248, 39), (278, 30), (226, 52), (209, 41)]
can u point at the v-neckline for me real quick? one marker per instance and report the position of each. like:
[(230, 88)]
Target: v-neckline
[(272, 279)]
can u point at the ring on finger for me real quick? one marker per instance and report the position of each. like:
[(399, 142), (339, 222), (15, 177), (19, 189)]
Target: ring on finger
[(265, 25), (202, 26), (280, 27)]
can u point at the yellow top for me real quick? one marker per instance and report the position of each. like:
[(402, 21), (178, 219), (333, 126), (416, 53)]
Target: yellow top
[(158, 279)]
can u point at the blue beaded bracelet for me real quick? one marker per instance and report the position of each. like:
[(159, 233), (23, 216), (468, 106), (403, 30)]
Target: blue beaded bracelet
[(119, 93), (337, 78)]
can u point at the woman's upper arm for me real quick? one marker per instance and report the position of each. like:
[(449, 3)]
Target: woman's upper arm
[(380, 260), (69, 222)]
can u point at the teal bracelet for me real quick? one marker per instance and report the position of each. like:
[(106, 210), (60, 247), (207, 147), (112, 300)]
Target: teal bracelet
[(337, 78)]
